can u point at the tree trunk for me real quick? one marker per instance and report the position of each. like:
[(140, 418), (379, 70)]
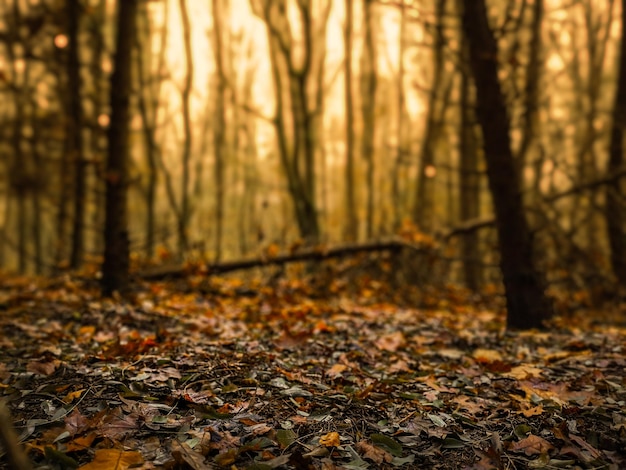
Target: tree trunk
[(185, 210), (402, 144), (219, 127), (368, 110), (149, 101), (469, 194), (99, 100), (614, 192), (527, 303), (75, 137), (352, 227), (116, 244), (530, 117), (424, 205)]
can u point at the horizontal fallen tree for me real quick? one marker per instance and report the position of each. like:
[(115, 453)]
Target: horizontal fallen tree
[(317, 253)]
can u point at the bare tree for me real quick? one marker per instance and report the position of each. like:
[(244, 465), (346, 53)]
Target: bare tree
[(527, 303), (116, 243), (294, 120)]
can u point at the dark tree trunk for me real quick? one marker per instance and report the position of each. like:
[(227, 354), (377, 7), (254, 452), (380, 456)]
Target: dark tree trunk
[(614, 194), (527, 304), (469, 179), (116, 250), (75, 141)]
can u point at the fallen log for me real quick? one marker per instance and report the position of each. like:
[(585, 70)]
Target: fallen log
[(318, 253)]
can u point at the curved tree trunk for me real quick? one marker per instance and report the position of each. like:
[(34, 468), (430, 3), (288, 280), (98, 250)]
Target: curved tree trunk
[(527, 303)]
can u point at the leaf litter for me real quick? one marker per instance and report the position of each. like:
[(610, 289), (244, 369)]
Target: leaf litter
[(216, 373)]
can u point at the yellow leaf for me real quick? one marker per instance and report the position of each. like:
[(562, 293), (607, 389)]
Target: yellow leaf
[(524, 371), (336, 370), (113, 459), (70, 397), (330, 440), (487, 355)]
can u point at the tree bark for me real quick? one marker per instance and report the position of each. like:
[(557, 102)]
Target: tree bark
[(527, 303), (116, 244), (614, 191)]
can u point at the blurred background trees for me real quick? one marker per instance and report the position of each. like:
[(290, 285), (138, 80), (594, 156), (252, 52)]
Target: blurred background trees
[(269, 122)]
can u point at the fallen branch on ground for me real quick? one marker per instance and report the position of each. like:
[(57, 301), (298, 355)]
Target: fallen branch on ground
[(308, 254)]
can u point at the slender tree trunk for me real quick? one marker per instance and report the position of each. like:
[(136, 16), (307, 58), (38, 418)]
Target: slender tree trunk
[(149, 99), (401, 140), (368, 111), (614, 192), (597, 31), (424, 205), (99, 99), (115, 268), (19, 171), (185, 210), (75, 138), (352, 224), (527, 303), (36, 199), (469, 194), (219, 127), (531, 88)]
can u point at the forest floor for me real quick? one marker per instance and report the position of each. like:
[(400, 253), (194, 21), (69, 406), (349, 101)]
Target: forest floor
[(207, 374)]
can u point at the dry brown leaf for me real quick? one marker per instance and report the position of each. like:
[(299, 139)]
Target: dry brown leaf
[(531, 445), (184, 455), (374, 453), (391, 342)]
